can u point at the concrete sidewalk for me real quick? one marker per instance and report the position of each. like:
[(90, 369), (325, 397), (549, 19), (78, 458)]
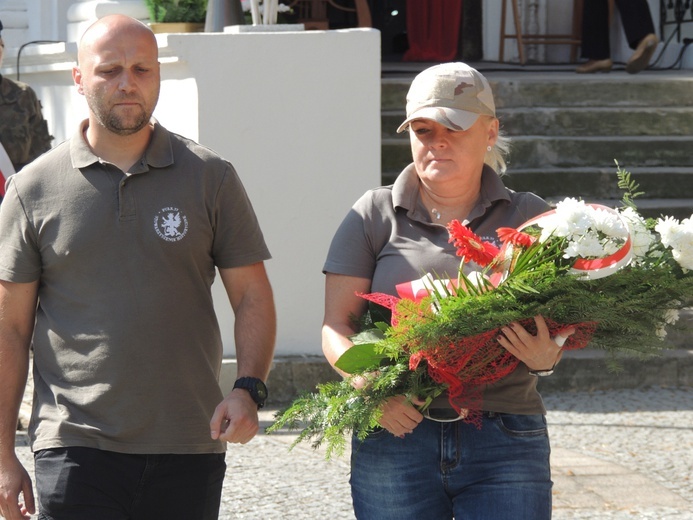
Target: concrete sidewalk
[(622, 454)]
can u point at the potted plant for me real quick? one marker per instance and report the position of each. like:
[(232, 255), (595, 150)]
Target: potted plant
[(177, 15)]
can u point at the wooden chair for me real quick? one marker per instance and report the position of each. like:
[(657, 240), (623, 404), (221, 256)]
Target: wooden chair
[(573, 39), (313, 13)]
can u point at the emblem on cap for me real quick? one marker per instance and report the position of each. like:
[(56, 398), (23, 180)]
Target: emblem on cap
[(460, 88)]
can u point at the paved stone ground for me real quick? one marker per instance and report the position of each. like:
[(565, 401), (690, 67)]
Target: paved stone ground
[(633, 454), (617, 455)]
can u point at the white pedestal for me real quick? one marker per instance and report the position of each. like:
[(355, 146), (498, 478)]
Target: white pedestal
[(282, 27)]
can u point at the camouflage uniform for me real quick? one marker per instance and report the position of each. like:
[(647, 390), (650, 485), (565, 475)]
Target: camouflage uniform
[(23, 131)]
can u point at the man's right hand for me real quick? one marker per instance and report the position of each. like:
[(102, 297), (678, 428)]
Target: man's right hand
[(14, 480)]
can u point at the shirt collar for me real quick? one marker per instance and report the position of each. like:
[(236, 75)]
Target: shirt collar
[(159, 152), (405, 191)]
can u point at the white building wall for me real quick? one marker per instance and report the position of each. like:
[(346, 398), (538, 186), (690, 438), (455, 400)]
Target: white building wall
[(299, 117), (297, 114)]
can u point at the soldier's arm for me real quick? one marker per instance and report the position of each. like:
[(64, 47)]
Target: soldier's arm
[(40, 137)]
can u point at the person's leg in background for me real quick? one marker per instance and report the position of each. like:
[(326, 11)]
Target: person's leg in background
[(595, 45), (640, 33)]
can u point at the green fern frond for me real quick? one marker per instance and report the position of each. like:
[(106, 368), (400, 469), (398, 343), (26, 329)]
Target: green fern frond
[(629, 186)]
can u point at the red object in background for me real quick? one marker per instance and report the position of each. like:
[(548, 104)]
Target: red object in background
[(433, 29)]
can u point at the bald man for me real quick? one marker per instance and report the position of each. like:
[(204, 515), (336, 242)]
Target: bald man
[(109, 245)]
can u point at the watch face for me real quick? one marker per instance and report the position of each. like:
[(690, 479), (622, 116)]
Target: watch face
[(261, 390), (256, 388)]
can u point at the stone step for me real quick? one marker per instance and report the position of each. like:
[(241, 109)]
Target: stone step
[(630, 151), (582, 370), (564, 90), (567, 131), (572, 152), (579, 370), (668, 191), (597, 121), (596, 182), (590, 183), (675, 89), (587, 370), (572, 121)]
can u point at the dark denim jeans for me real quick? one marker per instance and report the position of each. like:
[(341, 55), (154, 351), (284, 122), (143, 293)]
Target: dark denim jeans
[(88, 484), (454, 470)]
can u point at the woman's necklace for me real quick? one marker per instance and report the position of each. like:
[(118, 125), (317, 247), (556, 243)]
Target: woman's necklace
[(444, 214), (425, 197)]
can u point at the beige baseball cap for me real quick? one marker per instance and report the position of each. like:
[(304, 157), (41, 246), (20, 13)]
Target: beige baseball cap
[(452, 94)]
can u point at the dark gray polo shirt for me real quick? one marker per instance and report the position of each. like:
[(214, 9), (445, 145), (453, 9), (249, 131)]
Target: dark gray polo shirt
[(389, 237), (127, 348)]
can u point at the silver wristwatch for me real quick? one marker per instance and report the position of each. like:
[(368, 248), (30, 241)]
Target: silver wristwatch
[(541, 373)]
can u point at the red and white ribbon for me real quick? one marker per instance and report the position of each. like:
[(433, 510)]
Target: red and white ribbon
[(425, 286), (595, 268)]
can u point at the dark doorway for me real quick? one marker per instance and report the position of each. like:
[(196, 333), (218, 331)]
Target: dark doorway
[(390, 17)]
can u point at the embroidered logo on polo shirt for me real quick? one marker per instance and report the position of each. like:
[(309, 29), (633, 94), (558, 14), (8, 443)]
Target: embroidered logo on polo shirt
[(171, 224), (493, 240)]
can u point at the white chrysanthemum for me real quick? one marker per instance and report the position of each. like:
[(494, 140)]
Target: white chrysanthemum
[(572, 217), (548, 226), (684, 257), (687, 230), (670, 317), (685, 245), (641, 237), (632, 217), (588, 246), (611, 246), (668, 228), (608, 223), (679, 237)]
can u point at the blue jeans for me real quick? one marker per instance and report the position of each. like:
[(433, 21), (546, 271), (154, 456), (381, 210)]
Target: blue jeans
[(454, 470), (88, 484)]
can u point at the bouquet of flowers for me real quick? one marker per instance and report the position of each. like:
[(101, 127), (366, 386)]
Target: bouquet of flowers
[(613, 276)]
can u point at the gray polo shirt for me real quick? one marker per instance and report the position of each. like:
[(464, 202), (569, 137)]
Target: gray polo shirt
[(389, 237), (127, 348)]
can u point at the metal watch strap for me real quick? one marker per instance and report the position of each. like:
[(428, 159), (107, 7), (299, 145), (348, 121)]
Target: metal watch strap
[(543, 373)]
